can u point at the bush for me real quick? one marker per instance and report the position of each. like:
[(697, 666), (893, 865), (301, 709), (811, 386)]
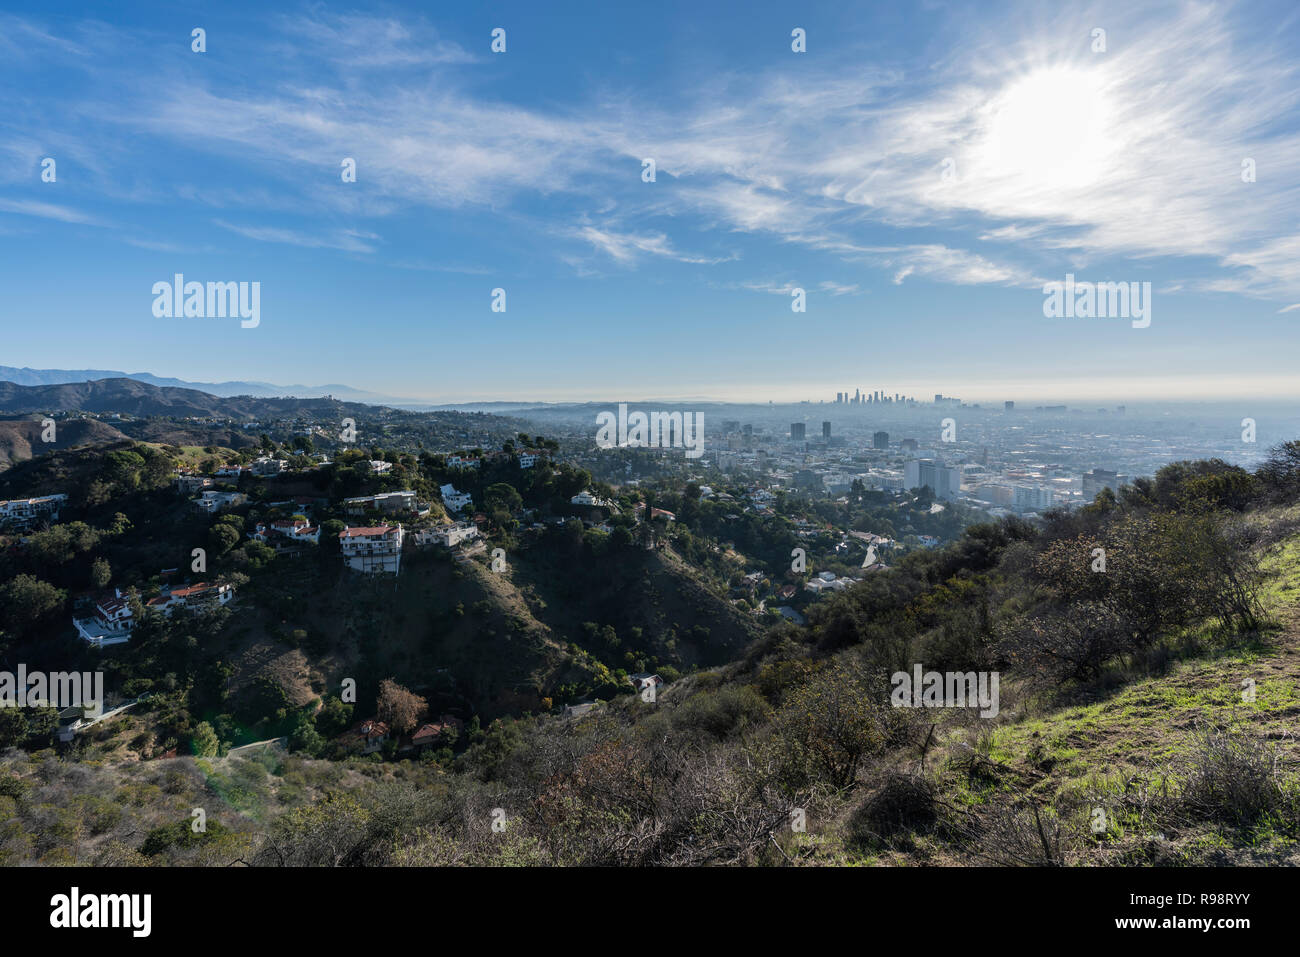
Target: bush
[(903, 803), (1229, 777)]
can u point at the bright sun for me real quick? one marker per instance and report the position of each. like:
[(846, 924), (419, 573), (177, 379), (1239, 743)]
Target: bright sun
[(1049, 129)]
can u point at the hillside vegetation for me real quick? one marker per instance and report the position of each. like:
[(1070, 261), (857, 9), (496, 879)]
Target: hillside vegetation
[(1146, 715)]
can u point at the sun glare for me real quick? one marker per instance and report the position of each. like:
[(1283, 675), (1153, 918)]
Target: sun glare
[(1049, 129)]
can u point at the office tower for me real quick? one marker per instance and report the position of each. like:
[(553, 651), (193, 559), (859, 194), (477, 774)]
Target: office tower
[(855, 395), (1008, 406), (798, 431), (1097, 479), (943, 481), (880, 440), (826, 431)]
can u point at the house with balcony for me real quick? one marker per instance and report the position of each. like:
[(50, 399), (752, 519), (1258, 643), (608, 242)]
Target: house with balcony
[(110, 621), (454, 500), (449, 536), (212, 501), (373, 549), (23, 513)]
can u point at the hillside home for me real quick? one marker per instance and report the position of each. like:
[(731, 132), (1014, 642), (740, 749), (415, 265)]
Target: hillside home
[(214, 501), (200, 596), (446, 727), (188, 484), (25, 512), (448, 536), (372, 549), (371, 735), (286, 532), (454, 500), (267, 466), (388, 502), (110, 622)]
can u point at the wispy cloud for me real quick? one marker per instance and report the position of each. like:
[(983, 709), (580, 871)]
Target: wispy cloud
[(64, 214), (347, 240)]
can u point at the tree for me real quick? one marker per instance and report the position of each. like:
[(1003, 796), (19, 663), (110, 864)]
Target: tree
[(205, 743), (100, 573), (503, 497), (26, 600), (399, 708), (223, 537)]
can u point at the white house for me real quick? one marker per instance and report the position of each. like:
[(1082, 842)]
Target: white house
[(462, 461), (23, 512), (586, 498), (447, 535), (453, 499), (527, 460), (372, 549), (214, 501), (287, 531), (379, 466), (110, 623)]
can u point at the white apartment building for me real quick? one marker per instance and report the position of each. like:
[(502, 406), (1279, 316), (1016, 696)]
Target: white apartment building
[(944, 481), (1033, 498)]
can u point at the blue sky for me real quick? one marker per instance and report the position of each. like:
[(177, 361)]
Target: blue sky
[(920, 171)]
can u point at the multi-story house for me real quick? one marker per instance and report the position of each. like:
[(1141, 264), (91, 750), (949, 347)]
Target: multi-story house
[(372, 549), (447, 535), (111, 621), (455, 500), (25, 512)]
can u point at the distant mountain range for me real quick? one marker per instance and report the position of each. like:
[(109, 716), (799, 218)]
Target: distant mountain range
[(132, 397), (30, 377)]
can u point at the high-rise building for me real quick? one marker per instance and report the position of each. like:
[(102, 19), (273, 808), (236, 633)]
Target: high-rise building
[(1008, 406), (1097, 479), (880, 440), (826, 430), (798, 431), (943, 481)]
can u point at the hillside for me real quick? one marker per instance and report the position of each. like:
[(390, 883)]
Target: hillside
[(20, 439), (962, 794)]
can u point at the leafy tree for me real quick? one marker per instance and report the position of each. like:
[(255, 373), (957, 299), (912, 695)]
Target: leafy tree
[(100, 573), (205, 743), (25, 601)]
